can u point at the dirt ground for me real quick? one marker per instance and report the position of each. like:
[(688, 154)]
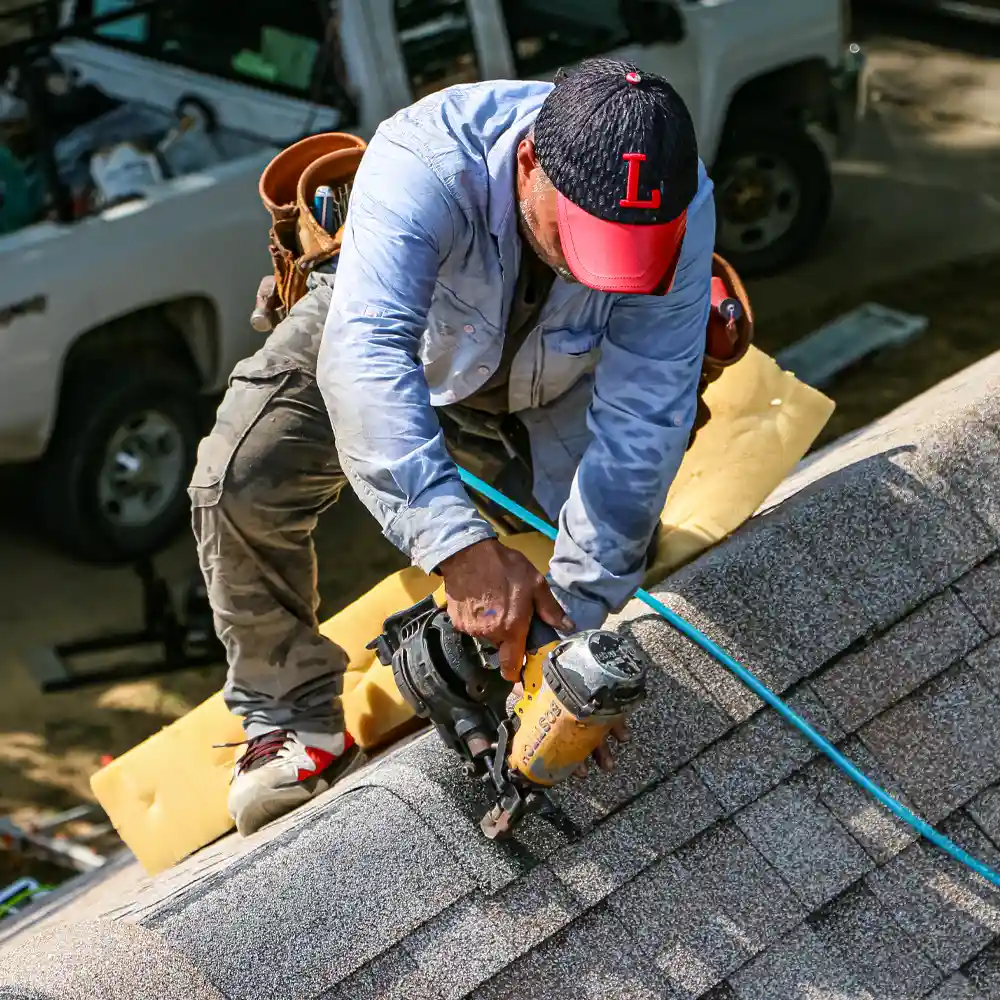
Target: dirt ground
[(51, 744), (963, 307)]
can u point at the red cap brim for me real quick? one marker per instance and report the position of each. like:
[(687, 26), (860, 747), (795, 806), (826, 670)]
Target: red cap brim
[(615, 257)]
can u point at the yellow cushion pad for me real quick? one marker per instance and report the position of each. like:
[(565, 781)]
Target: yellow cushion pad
[(167, 796)]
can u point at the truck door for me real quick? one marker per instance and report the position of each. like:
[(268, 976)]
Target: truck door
[(546, 35)]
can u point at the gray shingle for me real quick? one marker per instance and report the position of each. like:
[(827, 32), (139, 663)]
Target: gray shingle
[(862, 684), (874, 827), (392, 976), (879, 531), (958, 456), (655, 824), (605, 859), (809, 848), (984, 970), (986, 659), (980, 590), (677, 719), (985, 810), (790, 603), (594, 959), (701, 597), (951, 913), (752, 597), (462, 947), (956, 987), (300, 935), (429, 778), (763, 751), (942, 743), (110, 960), (862, 935), (722, 991), (798, 967), (675, 811), (729, 693), (703, 911)]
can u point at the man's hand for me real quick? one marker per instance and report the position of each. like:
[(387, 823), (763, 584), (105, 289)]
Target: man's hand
[(602, 755), (493, 592)]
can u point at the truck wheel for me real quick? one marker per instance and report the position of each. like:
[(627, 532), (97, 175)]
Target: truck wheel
[(113, 484), (773, 192)]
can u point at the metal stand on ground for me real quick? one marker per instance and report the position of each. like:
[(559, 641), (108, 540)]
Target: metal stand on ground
[(177, 643)]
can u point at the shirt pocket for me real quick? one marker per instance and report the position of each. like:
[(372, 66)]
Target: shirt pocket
[(451, 322), (565, 355)]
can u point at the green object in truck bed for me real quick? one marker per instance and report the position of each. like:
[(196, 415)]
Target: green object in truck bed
[(20, 203)]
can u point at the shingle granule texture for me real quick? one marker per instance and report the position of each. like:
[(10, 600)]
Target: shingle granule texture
[(725, 859)]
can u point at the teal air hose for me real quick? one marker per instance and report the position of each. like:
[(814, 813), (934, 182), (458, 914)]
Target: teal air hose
[(762, 692)]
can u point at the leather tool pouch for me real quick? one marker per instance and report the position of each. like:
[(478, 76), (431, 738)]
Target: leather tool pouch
[(725, 344), (297, 242)]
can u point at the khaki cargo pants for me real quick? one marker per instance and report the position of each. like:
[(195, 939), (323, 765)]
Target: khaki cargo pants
[(263, 476)]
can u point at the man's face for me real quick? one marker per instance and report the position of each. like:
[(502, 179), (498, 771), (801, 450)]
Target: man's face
[(538, 211)]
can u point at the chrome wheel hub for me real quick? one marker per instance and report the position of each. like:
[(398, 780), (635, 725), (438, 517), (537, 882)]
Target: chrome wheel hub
[(142, 470)]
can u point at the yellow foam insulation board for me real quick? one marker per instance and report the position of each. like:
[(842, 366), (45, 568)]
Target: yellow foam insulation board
[(167, 796), (763, 421)]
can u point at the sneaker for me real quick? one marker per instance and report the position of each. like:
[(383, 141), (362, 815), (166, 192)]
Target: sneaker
[(280, 770)]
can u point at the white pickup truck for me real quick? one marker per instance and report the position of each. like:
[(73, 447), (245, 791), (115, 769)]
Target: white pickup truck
[(119, 325)]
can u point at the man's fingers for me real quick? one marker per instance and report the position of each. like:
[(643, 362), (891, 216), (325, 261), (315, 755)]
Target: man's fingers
[(621, 732), (511, 659), (550, 610), (603, 757)]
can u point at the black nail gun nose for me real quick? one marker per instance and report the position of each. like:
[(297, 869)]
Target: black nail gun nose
[(575, 690)]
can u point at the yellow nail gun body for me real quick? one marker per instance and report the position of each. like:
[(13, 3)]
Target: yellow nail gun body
[(575, 690)]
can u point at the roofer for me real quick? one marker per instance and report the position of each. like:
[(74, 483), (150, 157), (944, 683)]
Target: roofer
[(521, 256)]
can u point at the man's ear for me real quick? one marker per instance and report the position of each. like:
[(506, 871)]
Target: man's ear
[(527, 164)]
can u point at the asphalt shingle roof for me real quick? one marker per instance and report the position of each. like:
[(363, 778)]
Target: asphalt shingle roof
[(724, 859)]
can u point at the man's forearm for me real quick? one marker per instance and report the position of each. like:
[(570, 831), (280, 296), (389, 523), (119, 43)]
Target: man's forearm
[(391, 446)]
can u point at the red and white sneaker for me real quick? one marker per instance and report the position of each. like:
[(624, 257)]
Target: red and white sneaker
[(280, 770)]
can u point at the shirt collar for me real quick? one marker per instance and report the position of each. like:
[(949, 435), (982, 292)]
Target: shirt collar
[(501, 166)]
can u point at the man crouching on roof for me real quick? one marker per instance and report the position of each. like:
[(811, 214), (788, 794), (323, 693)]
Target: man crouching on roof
[(522, 256)]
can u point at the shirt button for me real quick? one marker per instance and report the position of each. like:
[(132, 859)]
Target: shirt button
[(677, 420), (484, 369), (469, 328)]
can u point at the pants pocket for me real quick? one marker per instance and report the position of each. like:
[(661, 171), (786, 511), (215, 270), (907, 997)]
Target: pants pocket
[(249, 394)]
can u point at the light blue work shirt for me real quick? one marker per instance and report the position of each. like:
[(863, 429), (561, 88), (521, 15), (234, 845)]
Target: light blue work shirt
[(606, 384)]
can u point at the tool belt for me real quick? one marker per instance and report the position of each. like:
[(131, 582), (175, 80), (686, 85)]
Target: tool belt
[(297, 242), (725, 342)]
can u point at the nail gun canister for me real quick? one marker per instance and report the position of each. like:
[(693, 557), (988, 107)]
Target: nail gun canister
[(573, 696)]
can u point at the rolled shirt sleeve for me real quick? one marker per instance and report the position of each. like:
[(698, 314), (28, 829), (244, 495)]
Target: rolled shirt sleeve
[(401, 225)]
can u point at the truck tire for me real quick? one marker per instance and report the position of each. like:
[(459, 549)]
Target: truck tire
[(773, 194), (112, 486)]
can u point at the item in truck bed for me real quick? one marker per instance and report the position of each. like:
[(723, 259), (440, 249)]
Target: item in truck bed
[(20, 204)]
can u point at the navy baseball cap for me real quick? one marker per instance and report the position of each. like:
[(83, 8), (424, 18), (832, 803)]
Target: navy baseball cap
[(620, 149)]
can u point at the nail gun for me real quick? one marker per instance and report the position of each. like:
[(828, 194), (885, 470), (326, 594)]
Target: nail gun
[(574, 691)]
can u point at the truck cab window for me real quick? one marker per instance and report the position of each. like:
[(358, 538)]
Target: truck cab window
[(437, 42), (547, 34), (272, 44)]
